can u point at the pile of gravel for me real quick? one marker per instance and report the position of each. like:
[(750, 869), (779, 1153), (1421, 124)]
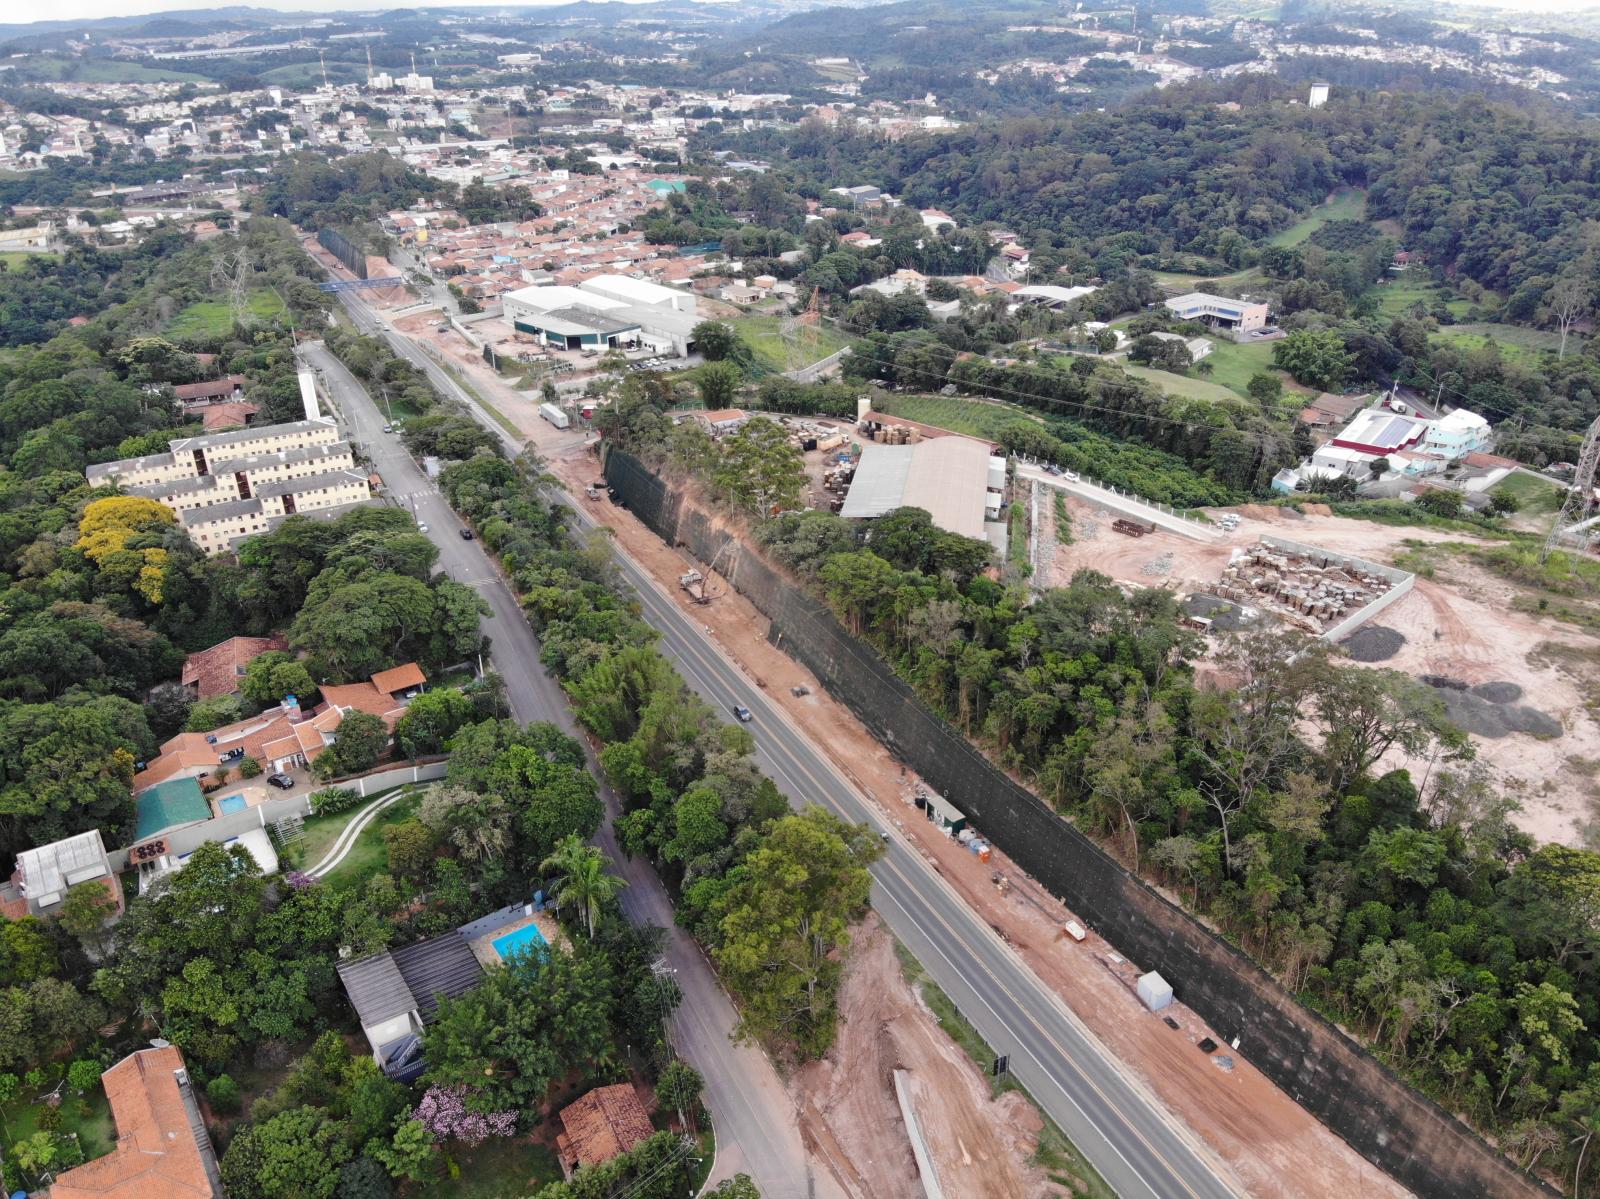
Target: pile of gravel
[(1157, 567), (1498, 693), (1475, 712), (1373, 643)]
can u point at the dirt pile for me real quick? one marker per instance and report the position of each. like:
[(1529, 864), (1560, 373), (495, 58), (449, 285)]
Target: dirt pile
[(851, 1119)]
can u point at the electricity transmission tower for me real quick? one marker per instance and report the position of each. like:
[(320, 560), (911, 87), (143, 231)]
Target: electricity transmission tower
[(1574, 513), (801, 334), (231, 273)]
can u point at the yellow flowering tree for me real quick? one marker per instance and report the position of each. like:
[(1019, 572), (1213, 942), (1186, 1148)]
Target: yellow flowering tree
[(110, 525)]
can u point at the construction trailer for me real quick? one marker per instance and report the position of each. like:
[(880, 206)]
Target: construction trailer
[(941, 813)]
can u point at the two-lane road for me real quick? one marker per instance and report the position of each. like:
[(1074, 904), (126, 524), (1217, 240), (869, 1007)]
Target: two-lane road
[(757, 1130)]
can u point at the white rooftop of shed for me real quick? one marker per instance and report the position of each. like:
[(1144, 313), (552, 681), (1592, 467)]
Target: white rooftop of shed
[(947, 477), (630, 290), (50, 869)]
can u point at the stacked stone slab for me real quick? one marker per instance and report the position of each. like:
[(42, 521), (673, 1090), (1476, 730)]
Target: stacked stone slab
[(1312, 592)]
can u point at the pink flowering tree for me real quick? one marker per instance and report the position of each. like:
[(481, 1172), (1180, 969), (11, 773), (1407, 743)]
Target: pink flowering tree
[(444, 1113)]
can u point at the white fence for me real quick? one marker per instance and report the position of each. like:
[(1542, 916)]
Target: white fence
[(1128, 503), (222, 828)]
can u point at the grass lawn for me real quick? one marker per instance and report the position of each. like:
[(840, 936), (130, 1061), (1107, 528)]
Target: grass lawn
[(1247, 278), (1346, 204), (11, 259), (214, 318), (1185, 386), (1535, 493), (309, 74), (1058, 1156), (100, 70), (96, 1134), (761, 334), (1232, 364), (497, 1169), (1397, 297), (975, 418), (322, 831), (1515, 341), (369, 856)]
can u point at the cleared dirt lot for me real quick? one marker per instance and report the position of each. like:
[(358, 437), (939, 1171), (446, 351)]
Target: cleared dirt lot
[(849, 1115)]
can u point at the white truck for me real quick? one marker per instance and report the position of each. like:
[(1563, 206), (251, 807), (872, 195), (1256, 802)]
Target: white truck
[(555, 415)]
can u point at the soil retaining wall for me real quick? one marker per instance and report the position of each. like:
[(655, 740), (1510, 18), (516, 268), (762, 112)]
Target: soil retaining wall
[(1386, 1121)]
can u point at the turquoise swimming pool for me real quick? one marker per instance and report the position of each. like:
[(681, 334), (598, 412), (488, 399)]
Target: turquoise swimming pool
[(527, 939), (232, 803)]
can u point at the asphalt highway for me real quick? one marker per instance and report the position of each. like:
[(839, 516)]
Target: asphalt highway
[(1118, 1126), (757, 1130)]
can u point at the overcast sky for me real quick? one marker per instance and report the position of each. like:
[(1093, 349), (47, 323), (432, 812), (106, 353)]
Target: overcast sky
[(71, 10)]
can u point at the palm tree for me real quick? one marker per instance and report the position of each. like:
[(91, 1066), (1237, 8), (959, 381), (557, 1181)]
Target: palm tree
[(583, 878)]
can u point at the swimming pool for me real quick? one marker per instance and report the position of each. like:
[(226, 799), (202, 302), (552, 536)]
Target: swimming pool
[(232, 803), (527, 939)]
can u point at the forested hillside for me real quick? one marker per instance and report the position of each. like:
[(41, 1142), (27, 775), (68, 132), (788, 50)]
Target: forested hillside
[(1486, 190)]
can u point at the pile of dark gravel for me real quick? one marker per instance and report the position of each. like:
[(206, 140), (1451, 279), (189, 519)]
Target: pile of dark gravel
[(1498, 693), (1373, 643), (1489, 710)]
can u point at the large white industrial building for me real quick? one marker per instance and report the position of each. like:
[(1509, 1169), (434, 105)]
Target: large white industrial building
[(605, 312)]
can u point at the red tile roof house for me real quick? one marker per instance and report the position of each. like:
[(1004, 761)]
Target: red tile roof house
[(602, 1124), (212, 391), (285, 737), (163, 1150), (217, 671)]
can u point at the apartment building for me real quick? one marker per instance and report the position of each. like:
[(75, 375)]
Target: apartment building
[(229, 486)]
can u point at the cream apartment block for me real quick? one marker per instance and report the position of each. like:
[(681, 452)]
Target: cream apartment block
[(229, 486)]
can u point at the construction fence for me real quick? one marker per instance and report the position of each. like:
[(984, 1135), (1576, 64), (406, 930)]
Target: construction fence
[(1392, 1125), (342, 248)]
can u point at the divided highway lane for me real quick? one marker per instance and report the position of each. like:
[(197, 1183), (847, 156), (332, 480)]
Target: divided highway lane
[(757, 1129), (1118, 1127)]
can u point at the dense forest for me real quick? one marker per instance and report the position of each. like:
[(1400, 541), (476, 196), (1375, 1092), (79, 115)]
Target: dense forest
[(1405, 906), (1486, 190)]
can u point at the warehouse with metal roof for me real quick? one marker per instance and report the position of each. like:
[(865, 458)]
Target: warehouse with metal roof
[(958, 481)]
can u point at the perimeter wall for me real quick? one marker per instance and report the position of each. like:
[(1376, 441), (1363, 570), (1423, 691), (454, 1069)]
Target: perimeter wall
[(1386, 1121)]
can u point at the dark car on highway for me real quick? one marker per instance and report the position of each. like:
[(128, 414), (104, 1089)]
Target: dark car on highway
[(743, 713)]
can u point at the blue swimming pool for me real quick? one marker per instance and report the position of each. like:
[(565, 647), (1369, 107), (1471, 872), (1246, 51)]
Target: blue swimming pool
[(232, 803), (527, 939)]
